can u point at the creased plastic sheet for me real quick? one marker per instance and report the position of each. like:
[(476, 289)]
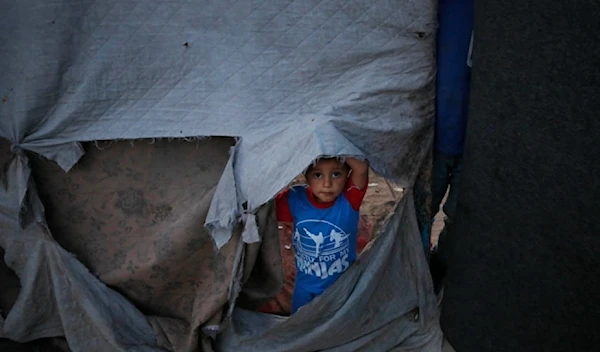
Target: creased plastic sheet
[(294, 79)]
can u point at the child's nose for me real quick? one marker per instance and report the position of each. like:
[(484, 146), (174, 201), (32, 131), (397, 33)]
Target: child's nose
[(327, 181)]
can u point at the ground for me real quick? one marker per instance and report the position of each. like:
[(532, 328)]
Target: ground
[(380, 199)]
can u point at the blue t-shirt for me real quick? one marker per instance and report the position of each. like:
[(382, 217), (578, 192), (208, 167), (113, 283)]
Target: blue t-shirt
[(324, 241)]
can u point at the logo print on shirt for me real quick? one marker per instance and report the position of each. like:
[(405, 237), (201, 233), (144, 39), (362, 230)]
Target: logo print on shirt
[(322, 248), (317, 239)]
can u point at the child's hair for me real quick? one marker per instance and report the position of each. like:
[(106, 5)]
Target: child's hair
[(312, 165)]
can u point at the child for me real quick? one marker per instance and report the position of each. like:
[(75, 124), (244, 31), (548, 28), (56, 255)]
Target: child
[(325, 215)]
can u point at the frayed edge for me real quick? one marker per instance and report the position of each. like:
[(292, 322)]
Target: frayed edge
[(103, 144), (97, 144)]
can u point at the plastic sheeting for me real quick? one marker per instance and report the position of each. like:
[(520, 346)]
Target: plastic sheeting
[(290, 80)]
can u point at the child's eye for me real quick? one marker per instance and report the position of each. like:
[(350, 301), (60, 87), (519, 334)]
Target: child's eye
[(337, 174), (317, 175)]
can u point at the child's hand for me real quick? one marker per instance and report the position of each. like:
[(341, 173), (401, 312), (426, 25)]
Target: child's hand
[(360, 172)]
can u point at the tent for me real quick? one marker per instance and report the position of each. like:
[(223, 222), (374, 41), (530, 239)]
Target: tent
[(144, 140)]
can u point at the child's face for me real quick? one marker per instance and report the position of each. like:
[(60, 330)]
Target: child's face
[(327, 179)]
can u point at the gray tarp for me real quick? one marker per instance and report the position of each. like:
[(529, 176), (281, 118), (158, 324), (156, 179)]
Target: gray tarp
[(291, 80)]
